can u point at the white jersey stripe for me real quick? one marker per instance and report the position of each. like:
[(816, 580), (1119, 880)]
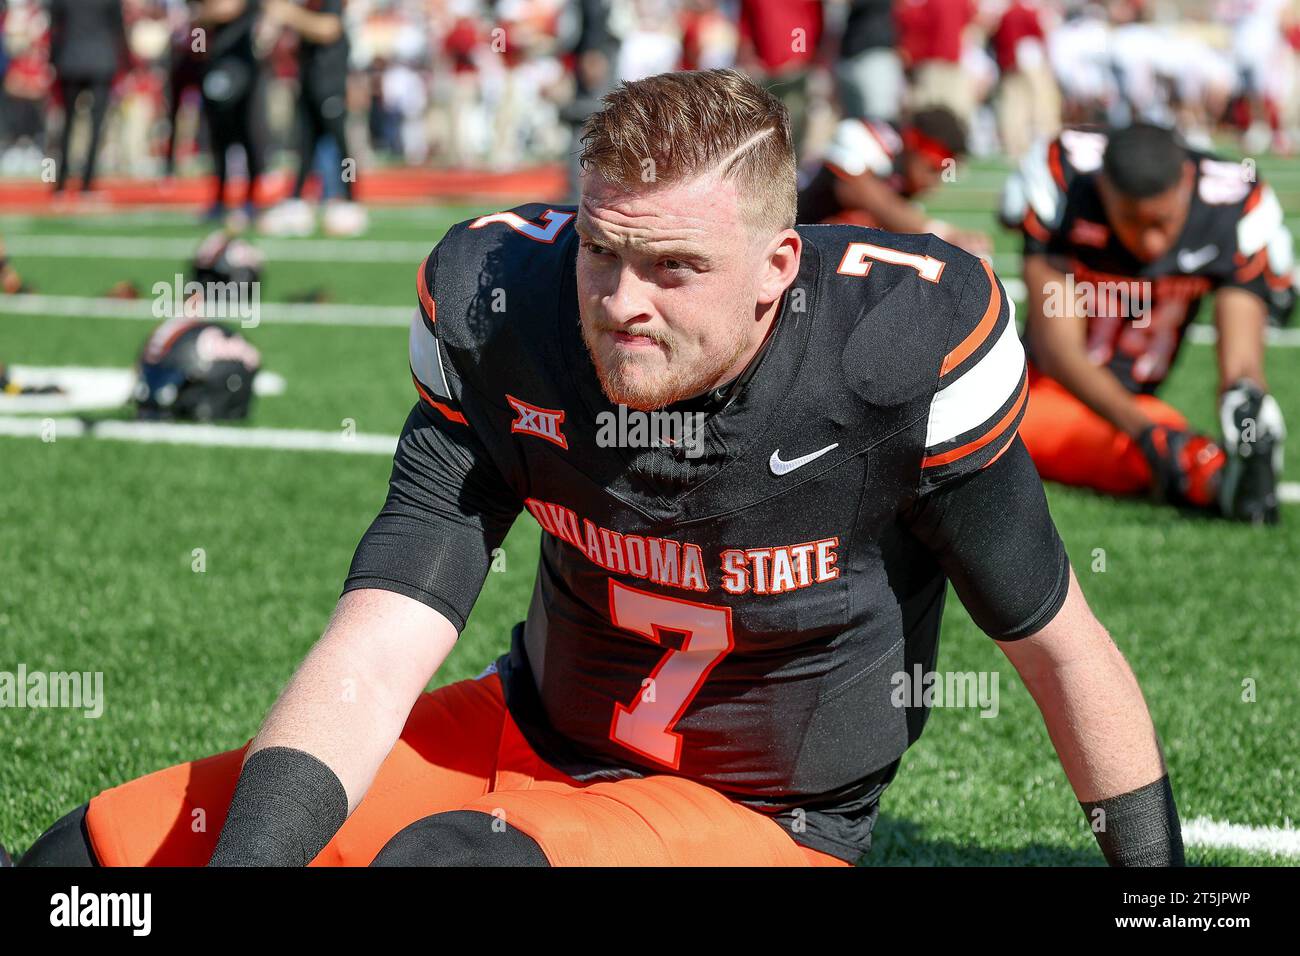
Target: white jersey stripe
[(982, 390), (1258, 227), (855, 150), (426, 361)]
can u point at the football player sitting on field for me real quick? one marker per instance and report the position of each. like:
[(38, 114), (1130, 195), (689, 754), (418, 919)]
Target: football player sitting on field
[(708, 670), (1123, 237), (872, 172)]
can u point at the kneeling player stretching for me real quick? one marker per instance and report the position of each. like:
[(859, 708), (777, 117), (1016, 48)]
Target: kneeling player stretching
[(1123, 237), (705, 675)]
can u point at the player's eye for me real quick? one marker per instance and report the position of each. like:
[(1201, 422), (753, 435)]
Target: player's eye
[(674, 265), (595, 248)]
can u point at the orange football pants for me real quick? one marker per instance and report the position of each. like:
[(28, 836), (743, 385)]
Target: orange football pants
[(1072, 444), (460, 750)]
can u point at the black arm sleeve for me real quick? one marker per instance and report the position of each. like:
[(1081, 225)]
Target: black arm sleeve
[(448, 508), (995, 540)]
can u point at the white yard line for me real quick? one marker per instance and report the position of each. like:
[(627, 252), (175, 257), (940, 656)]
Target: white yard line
[(284, 439), (1281, 841), (223, 436), (398, 316), (282, 313), (281, 250)]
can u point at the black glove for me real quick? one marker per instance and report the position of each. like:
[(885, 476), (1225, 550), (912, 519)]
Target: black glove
[(1163, 447)]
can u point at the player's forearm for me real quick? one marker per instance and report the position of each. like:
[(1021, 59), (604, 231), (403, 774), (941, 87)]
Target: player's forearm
[(219, 11), (872, 196), (1099, 724), (1100, 390), (350, 698), (1241, 318), (321, 746), (1098, 720), (1059, 349)]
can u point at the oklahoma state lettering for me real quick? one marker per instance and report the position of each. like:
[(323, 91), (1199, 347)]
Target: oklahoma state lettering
[(769, 570)]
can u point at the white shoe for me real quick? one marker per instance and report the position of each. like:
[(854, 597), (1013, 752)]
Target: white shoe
[(291, 218), (344, 219)]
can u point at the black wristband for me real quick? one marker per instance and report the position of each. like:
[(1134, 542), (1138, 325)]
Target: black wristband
[(287, 806), (1138, 828)]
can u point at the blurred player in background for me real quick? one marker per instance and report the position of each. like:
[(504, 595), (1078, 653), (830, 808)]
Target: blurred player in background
[(1123, 237), (11, 283), (323, 52), (232, 92), (87, 48), (1257, 43), (872, 171)]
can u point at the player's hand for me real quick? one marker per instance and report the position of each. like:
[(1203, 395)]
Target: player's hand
[(976, 243), (1181, 462), (11, 283), (273, 11)]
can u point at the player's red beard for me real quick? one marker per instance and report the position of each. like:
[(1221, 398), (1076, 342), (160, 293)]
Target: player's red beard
[(651, 381)]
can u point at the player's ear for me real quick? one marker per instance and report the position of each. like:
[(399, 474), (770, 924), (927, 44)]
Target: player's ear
[(780, 265)]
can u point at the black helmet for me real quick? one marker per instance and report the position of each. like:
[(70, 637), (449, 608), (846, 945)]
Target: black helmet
[(223, 257), (195, 370)]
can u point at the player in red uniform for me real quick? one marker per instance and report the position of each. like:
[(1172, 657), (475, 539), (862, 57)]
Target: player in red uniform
[(709, 669), (1123, 237)]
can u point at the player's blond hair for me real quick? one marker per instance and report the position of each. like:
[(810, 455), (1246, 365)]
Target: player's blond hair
[(673, 127)]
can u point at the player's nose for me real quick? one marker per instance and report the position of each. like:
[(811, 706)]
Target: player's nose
[(1154, 243), (628, 300)]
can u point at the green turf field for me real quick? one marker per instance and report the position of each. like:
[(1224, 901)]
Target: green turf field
[(97, 540)]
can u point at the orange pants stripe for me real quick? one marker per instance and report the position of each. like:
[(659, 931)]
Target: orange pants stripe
[(1072, 444), (460, 750)]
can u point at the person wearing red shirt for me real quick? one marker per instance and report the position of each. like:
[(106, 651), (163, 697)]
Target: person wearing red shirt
[(1028, 101), (930, 35), (778, 44)]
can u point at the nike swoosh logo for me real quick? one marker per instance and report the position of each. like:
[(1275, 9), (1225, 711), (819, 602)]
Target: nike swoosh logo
[(1189, 261), (780, 467)]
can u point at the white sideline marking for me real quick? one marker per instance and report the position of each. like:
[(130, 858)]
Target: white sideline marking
[(92, 387), (182, 248), (1208, 335), (281, 313), (1202, 831), (395, 316), (288, 439), (224, 436)]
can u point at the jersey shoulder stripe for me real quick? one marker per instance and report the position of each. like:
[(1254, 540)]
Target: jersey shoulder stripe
[(982, 389), (425, 356), (1035, 195), (859, 147), (473, 289)]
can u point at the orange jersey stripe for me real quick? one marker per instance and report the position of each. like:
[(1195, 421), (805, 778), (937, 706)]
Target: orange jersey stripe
[(449, 413), (1054, 162), (422, 285), (1034, 227), (1253, 267), (981, 331), (1253, 200), (1000, 453), (973, 446)]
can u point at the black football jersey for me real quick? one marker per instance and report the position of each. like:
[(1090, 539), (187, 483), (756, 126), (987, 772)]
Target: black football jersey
[(735, 612), (1138, 312)]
